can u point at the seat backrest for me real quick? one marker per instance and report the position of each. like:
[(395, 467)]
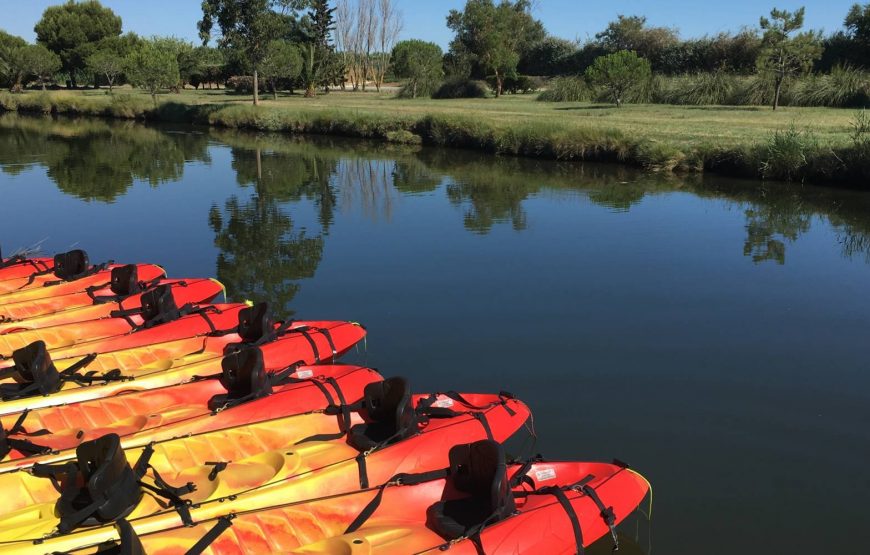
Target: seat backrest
[(158, 305), (125, 280), (69, 265), (389, 414), (255, 322), (244, 376), (478, 470), (33, 365), (108, 483)]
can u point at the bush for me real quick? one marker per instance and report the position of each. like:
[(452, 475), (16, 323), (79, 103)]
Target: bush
[(516, 84), (244, 84), (788, 153), (424, 90), (844, 87), (566, 89), (461, 88)]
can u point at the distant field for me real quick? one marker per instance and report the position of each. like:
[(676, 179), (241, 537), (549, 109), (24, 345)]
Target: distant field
[(731, 140), (683, 125)]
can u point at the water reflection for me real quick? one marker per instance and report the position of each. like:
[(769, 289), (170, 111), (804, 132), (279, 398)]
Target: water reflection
[(99, 160), (96, 160), (262, 254)]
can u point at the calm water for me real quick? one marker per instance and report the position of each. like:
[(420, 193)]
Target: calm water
[(715, 334)]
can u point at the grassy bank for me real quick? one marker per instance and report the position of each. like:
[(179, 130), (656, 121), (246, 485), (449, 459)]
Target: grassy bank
[(797, 144)]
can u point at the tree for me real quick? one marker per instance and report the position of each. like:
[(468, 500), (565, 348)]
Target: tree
[(40, 62), (494, 36), (547, 57), (618, 73), (420, 62), (388, 27), (70, 31), (153, 66), (108, 64), (246, 26), (319, 60), (282, 61), (9, 45), (857, 25), (632, 33), (784, 54)]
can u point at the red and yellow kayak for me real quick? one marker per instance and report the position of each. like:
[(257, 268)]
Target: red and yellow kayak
[(17, 290), (16, 267), (185, 291), (151, 363), (408, 516), (124, 282), (139, 418), (245, 468)]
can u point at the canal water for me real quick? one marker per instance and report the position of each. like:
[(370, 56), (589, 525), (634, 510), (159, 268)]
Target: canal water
[(713, 333)]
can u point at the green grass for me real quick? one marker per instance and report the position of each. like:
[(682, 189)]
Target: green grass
[(730, 140)]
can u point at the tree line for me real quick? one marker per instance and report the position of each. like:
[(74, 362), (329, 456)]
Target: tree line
[(497, 45)]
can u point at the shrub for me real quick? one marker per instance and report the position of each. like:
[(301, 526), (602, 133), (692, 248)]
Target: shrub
[(566, 89), (513, 84), (788, 153), (461, 88), (843, 87), (244, 84)]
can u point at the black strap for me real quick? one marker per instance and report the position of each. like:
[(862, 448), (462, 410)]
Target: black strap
[(397, 480), (363, 471), (605, 512), (142, 286), (563, 500), (342, 410), (214, 533), (304, 331)]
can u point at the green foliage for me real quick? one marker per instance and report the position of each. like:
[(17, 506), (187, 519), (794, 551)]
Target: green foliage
[(861, 128), (788, 153), (153, 66), (632, 33), (843, 87), (419, 62), (108, 64), (494, 35), (282, 62), (461, 88), (547, 57), (73, 29), (321, 67), (9, 45), (857, 25), (514, 84), (784, 54), (40, 62), (618, 74), (566, 89), (245, 27)]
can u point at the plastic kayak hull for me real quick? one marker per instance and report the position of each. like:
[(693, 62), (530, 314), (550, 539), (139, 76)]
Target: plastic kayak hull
[(398, 525), (105, 334), (194, 291), (158, 414), (24, 268), (265, 467), (44, 286), (152, 363)]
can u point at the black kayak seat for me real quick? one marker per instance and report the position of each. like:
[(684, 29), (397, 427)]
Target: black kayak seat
[(33, 371), (478, 470), (255, 322), (105, 488), (69, 265), (125, 280), (388, 413), (244, 376)]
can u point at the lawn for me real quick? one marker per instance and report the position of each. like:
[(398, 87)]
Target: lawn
[(678, 125)]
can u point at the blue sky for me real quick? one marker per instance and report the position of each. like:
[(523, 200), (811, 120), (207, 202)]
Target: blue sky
[(425, 18)]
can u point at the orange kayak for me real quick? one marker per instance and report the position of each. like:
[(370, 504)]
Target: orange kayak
[(246, 468), (72, 266), (553, 508), (124, 281), (252, 388), (184, 291), (17, 266), (154, 364), (48, 288), (150, 311)]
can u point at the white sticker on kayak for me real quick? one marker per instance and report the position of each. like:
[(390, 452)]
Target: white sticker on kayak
[(302, 374), (545, 474), (443, 403)]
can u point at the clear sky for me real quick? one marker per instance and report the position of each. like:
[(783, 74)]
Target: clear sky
[(424, 19)]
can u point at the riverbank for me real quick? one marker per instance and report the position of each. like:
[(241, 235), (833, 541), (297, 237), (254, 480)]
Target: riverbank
[(792, 144)]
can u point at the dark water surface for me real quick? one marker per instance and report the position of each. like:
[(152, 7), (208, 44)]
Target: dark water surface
[(715, 334)]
